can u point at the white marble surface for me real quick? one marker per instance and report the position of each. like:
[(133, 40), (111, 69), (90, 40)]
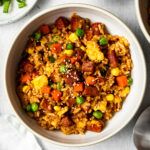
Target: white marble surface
[(124, 9)]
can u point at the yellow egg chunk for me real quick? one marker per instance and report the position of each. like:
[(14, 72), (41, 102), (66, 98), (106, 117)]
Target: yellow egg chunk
[(73, 37), (62, 111), (93, 51), (30, 50), (101, 106), (43, 40), (68, 52), (125, 92), (25, 88), (39, 82)]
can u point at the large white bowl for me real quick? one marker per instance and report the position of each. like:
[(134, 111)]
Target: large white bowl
[(142, 16), (115, 26)]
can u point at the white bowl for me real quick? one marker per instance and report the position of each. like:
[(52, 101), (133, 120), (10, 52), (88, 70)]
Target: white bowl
[(115, 26), (142, 16)]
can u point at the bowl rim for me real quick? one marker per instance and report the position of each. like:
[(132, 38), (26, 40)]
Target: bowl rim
[(88, 6), (140, 21)]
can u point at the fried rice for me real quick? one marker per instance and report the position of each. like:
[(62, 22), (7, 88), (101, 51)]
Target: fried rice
[(74, 75)]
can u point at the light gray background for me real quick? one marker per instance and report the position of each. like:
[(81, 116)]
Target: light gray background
[(125, 10)]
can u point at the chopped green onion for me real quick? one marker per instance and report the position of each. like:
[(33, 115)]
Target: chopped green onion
[(21, 1), (1, 2), (59, 86), (51, 59), (22, 4), (103, 72), (6, 5), (37, 36), (28, 107), (97, 114), (80, 32), (103, 41), (56, 38), (50, 83), (69, 46)]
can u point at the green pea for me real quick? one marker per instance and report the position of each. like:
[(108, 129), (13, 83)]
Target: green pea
[(69, 46), (56, 38), (97, 114), (79, 100), (130, 81), (63, 69), (34, 107), (59, 86), (80, 32), (28, 107), (37, 36), (51, 59), (103, 41)]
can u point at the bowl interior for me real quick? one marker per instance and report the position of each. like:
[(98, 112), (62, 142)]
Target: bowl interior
[(143, 16), (114, 26)]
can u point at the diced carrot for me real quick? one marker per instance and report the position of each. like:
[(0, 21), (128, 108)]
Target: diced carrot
[(45, 29), (46, 90), (73, 59), (63, 58), (79, 87), (122, 81), (25, 78), (56, 95), (94, 128), (90, 80), (56, 48)]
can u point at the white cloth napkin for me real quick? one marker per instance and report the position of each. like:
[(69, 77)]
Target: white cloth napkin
[(14, 136)]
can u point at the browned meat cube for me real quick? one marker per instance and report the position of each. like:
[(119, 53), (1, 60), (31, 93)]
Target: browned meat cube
[(61, 23), (80, 54), (72, 77), (77, 22), (66, 122), (91, 91), (27, 67), (95, 28), (88, 66), (112, 58)]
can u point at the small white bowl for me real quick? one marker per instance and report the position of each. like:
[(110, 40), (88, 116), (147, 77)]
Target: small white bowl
[(115, 26), (15, 13), (142, 16)]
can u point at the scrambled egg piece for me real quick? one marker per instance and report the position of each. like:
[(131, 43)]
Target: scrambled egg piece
[(48, 69), (62, 111), (102, 106), (39, 82), (93, 51), (73, 37)]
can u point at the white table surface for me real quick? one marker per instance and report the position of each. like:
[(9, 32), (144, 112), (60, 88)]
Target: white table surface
[(124, 9)]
